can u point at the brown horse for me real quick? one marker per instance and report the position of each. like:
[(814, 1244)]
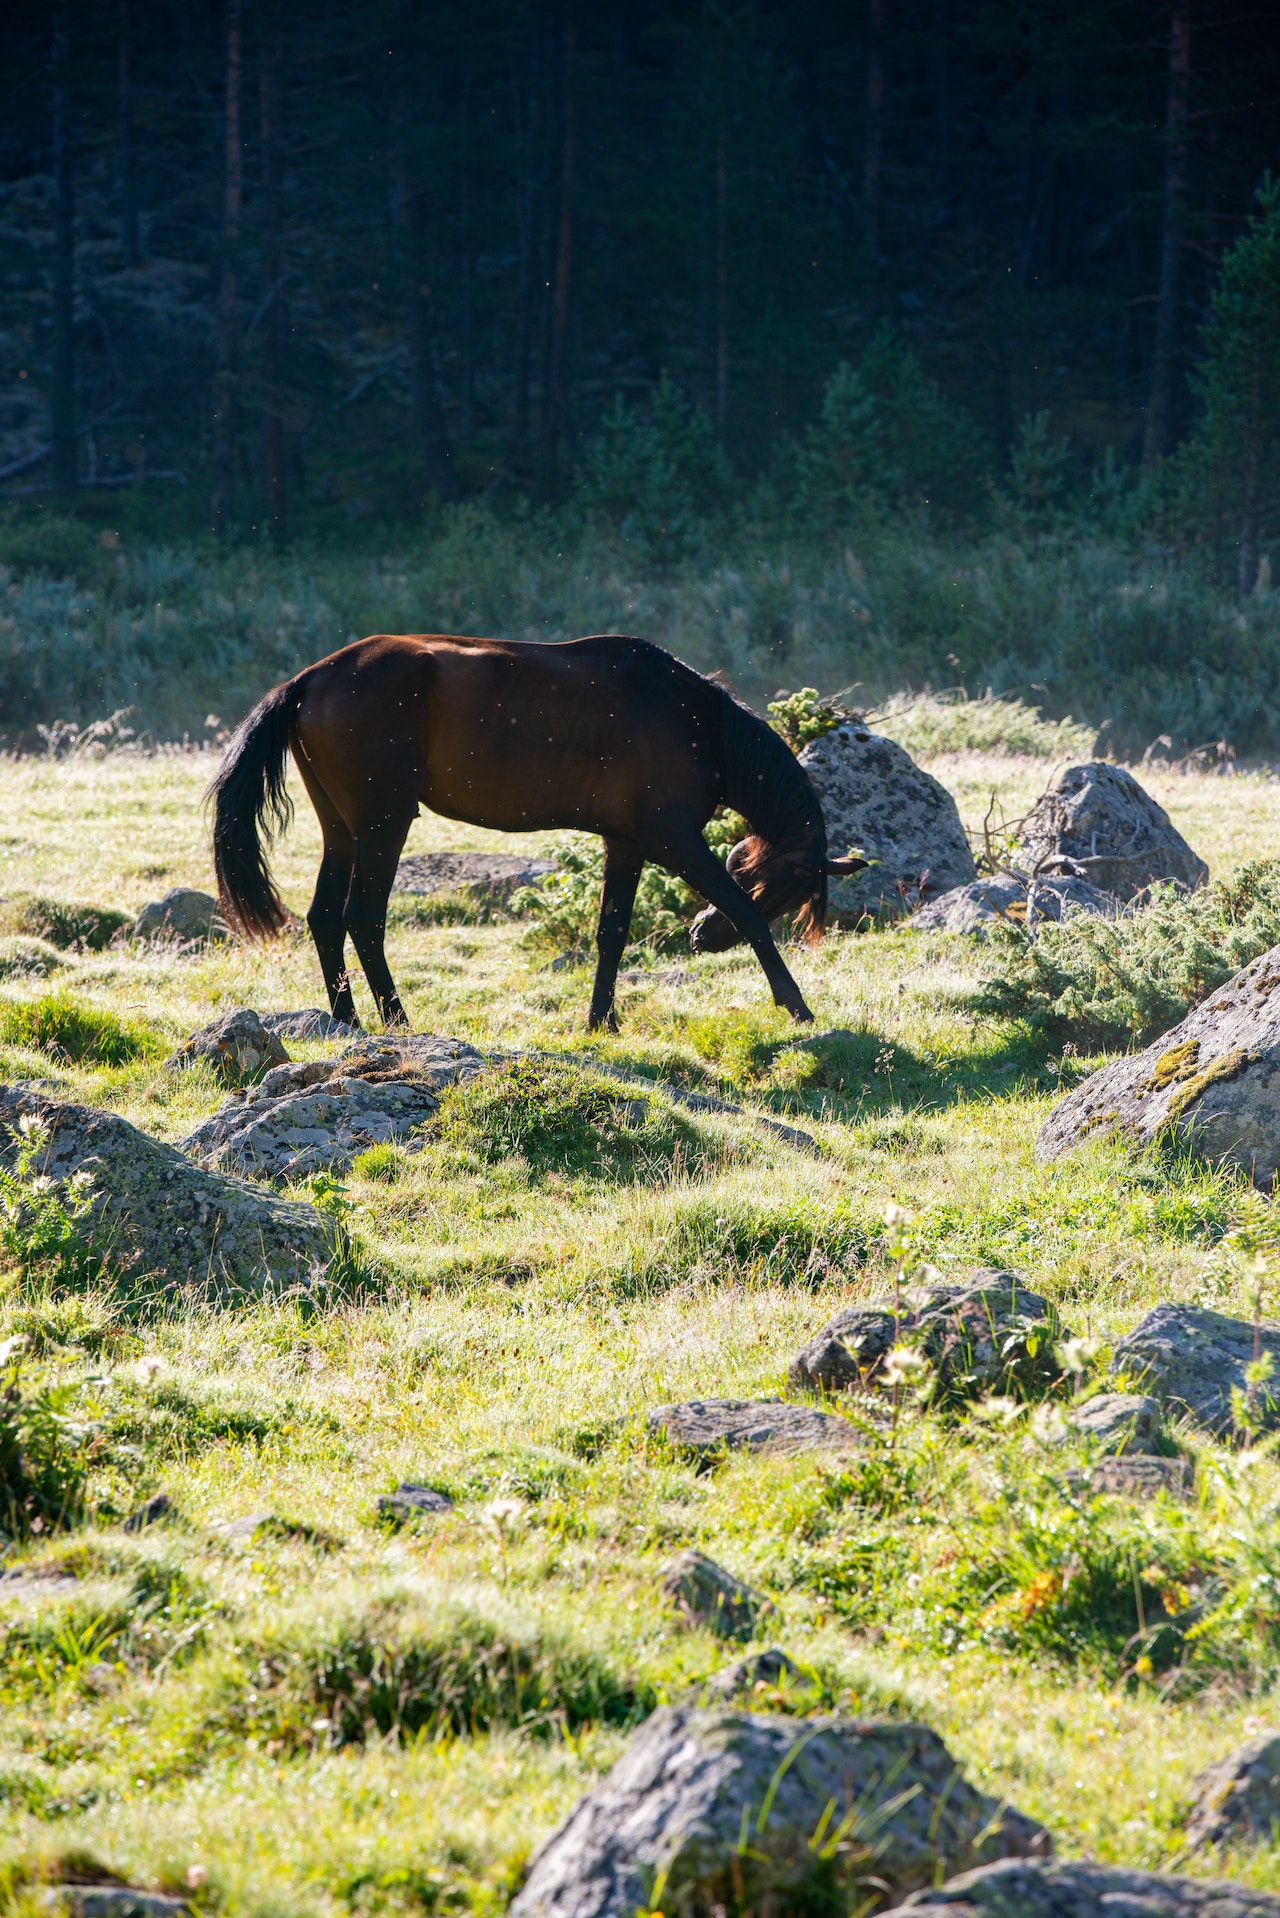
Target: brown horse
[(607, 735)]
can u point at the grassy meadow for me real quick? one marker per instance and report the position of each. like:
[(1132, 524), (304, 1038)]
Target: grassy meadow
[(323, 1715)]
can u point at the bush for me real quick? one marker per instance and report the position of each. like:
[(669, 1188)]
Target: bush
[(62, 1027), (29, 959), (63, 922), (928, 723), (562, 1119), (46, 1431), (656, 473), (1114, 983)]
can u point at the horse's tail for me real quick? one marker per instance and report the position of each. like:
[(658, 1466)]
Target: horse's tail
[(250, 804)]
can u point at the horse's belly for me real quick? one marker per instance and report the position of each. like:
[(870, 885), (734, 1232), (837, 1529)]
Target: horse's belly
[(519, 798)]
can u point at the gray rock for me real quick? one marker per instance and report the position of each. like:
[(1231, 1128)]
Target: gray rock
[(181, 916), (1238, 1799), (963, 1330), (310, 1023), (1079, 1890), (483, 877), (1097, 823), (706, 1594), (412, 1501), (156, 1216), (770, 1668), (157, 1508), (111, 1901), (1138, 1476), (977, 907), (319, 1116), (1212, 1083), (877, 801), (1122, 1422), (1190, 1358), (237, 1046), (670, 1819), (707, 1427)]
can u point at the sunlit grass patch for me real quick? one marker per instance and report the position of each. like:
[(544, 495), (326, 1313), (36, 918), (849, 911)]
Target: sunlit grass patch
[(71, 1030)]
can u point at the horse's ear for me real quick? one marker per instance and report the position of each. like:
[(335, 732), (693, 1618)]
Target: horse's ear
[(840, 868)]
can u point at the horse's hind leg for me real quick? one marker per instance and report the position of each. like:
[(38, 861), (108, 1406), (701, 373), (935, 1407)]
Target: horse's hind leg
[(326, 919), (689, 855), (623, 864), (377, 856)]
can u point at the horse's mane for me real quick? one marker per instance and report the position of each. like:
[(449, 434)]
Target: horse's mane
[(764, 782)]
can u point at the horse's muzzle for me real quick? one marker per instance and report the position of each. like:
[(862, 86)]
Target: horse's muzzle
[(713, 931)]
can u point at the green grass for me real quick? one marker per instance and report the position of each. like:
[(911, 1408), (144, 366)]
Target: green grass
[(332, 1716)]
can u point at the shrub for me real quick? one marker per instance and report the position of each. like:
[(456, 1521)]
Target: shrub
[(929, 723), (804, 716), (1113, 983), (63, 1027), (655, 473), (29, 959), (46, 1430), (42, 1224), (560, 1118), (63, 922)]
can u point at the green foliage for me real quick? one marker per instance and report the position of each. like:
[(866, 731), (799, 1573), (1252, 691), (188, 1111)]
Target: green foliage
[(564, 906), (383, 1163), (1039, 473), (929, 723), (43, 1221), (47, 1430), (1112, 983), (64, 923), (67, 1029), (396, 1669), (656, 473), (29, 959), (52, 545), (1232, 464), (888, 437), (803, 716), (560, 1118)]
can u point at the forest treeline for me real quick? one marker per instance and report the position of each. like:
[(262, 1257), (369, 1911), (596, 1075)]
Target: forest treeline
[(723, 289)]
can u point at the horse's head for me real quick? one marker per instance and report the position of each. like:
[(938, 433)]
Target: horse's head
[(780, 881)]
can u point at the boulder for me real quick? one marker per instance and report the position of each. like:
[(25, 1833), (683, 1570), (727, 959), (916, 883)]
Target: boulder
[(712, 1807), (112, 1901), (1097, 823), (484, 878), (1081, 1890), (1213, 1083), (1121, 1422), (963, 1330), (413, 1501), (310, 1023), (237, 1046), (877, 801), (705, 1594), (771, 1669), (1238, 1799), (976, 907), (319, 1116), (181, 916), (155, 1215), (153, 1512), (708, 1427), (1191, 1357), (1138, 1476)]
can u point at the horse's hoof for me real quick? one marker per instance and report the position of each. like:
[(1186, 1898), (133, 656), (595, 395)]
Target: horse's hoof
[(801, 1014)]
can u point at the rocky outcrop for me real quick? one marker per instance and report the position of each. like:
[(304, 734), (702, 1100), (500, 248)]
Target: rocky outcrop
[(771, 1669), (483, 878), (878, 802), (1137, 1476), (413, 1501), (1238, 1799), (978, 907), (182, 916), (1119, 1422), (1213, 1082), (1097, 823), (154, 1215), (995, 1334), (1081, 1890), (668, 1822), (238, 1047), (309, 1023), (707, 1427), (706, 1594), (1192, 1358), (318, 1116)]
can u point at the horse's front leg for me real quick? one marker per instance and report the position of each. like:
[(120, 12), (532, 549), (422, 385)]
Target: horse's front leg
[(688, 854), (623, 863), (373, 875)]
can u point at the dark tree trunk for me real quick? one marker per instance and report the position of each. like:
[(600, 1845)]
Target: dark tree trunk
[(431, 431), (527, 237), (468, 270), (63, 397), (273, 451), (873, 139), (128, 193), (1158, 436), (722, 277), (224, 393), (557, 351)]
